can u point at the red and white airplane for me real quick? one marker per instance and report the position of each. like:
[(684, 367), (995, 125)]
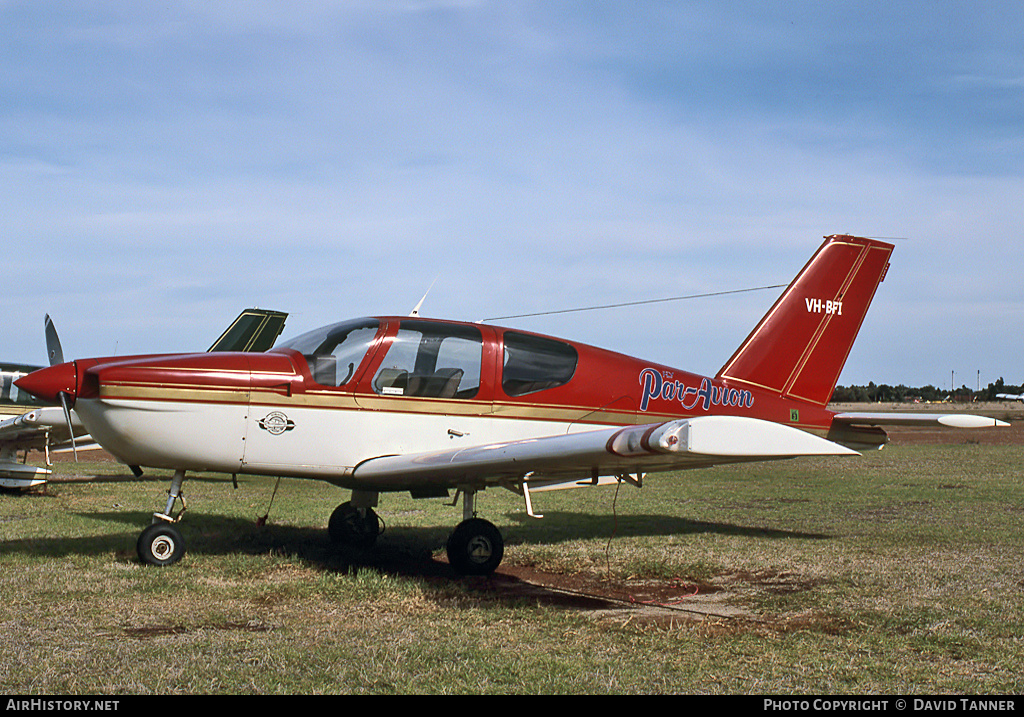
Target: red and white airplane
[(426, 406)]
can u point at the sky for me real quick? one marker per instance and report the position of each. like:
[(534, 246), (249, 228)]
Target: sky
[(165, 165)]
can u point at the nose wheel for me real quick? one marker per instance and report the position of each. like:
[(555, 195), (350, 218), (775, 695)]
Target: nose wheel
[(162, 543)]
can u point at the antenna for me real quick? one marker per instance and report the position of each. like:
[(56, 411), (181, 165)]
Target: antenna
[(637, 303), (416, 310)]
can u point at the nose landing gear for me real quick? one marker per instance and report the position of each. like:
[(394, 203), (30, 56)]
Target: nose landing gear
[(161, 543)]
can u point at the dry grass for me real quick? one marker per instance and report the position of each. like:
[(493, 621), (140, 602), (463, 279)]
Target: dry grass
[(898, 572)]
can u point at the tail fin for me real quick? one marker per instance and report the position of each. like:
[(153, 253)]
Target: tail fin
[(799, 347), (255, 330)]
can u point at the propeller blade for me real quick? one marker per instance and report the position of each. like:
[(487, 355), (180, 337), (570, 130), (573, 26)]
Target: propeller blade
[(55, 354), (53, 350), (67, 417)]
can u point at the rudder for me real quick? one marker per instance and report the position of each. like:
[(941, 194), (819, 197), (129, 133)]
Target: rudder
[(800, 346)]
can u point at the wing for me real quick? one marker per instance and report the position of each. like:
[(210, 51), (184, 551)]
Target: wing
[(949, 420), (39, 428), (42, 428), (673, 445), (29, 430)]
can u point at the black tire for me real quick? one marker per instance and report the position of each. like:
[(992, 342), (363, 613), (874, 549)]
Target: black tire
[(347, 526), (161, 544), (475, 547)]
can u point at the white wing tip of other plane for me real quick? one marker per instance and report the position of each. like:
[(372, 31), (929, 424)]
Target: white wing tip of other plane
[(969, 421)]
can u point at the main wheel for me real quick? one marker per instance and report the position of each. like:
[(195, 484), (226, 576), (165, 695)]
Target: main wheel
[(348, 526), (161, 544), (475, 547)]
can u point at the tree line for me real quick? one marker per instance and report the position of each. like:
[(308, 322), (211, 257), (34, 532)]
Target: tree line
[(884, 393)]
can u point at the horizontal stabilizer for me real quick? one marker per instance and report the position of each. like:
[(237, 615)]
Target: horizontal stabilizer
[(949, 420), (18, 476)]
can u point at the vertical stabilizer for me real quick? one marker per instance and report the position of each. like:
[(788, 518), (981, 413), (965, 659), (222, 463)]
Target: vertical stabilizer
[(799, 347), (255, 330)]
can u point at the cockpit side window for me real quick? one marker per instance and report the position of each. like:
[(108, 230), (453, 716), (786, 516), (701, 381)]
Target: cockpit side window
[(432, 359), (534, 363), (335, 352)]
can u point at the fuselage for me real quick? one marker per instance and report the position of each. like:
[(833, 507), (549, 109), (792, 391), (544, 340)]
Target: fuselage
[(326, 401)]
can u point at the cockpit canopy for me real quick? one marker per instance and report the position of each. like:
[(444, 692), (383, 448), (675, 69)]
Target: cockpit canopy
[(434, 358)]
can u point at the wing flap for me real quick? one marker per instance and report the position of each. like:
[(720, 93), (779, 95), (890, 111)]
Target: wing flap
[(682, 443)]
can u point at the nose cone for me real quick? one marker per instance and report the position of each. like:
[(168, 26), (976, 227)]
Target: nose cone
[(47, 383)]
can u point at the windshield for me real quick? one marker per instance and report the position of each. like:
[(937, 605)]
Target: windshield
[(334, 352)]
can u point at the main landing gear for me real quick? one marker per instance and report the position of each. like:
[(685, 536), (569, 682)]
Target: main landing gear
[(475, 547), (355, 523), (162, 543)]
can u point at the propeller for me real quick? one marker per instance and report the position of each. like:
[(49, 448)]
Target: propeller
[(53, 350), (56, 356)]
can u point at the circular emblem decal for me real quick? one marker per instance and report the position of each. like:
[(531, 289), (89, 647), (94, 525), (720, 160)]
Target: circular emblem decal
[(276, 423)]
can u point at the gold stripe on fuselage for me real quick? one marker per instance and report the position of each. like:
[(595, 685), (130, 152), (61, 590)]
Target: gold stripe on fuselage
[(278, 398)]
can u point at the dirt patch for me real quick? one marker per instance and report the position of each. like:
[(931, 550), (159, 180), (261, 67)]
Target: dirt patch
[(1012, 435), (718, 605), (649, 598), (721, 606)]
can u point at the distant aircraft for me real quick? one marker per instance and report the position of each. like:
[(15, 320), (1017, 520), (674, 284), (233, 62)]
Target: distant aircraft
[(44, 425), (1011, 396), (13, 401), (427, 406)]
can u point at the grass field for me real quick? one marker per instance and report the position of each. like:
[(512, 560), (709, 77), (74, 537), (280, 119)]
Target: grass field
[(897, 572)]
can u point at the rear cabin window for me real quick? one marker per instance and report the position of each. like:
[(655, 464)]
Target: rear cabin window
[(432, 360), (535, 363)]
